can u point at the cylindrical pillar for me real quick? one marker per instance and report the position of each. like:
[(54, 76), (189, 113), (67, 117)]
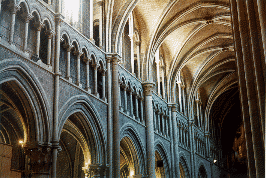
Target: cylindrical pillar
[(148, 87), (78, 53), (125, 99), (13, 21), (252, 92), (87, 75), (175, 139), (138, 58), (38, 40), (116, 121), (163, 124), (184, 99), (68, 62), (109, 121), (95, 79), (55, 135), (27, 21), (131, 102), (103, 91), (141, 111), (137, 107), (49, 47)]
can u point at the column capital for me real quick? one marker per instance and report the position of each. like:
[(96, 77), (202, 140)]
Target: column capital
[(59, 18), (173, 107), (50, 33), (39, 26), (113, 57), (28, 18), (14, 8), (148, 88), (78, 53)]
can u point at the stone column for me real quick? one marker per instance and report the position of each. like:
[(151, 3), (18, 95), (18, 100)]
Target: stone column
[(109, 114), (163, 88), (27, 21), (78, 53), (38, 39), (138, 58), (95, 66), (249, 60), (100, 3), (154, 120), (49, 48), (125, 95), (198, 112), (184, 99), (180, 98), (131, 102), (149, 129), (190, 137), (141, 111), (175, 139), (120, 98), (137, 107), (68, 62), (163, 124), (116, 120), (14, 10), (55, 139), (87, 75), (103, 92)]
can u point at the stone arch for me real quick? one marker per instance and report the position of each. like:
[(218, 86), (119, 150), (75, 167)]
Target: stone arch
[(136, 148), (86, 112), (22, 80), (161, 154), (183, 163)]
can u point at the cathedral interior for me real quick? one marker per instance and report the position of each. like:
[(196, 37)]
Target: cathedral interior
[(132, 88)]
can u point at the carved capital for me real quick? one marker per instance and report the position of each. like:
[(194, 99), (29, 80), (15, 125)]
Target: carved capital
[(173, 107), (148, 88), (50, 33), (28, 18), (14, 8), (116, 59), (39, 26), (58, 19)]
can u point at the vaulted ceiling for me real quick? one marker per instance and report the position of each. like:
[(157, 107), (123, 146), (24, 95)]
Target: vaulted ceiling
[(195, 38)]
